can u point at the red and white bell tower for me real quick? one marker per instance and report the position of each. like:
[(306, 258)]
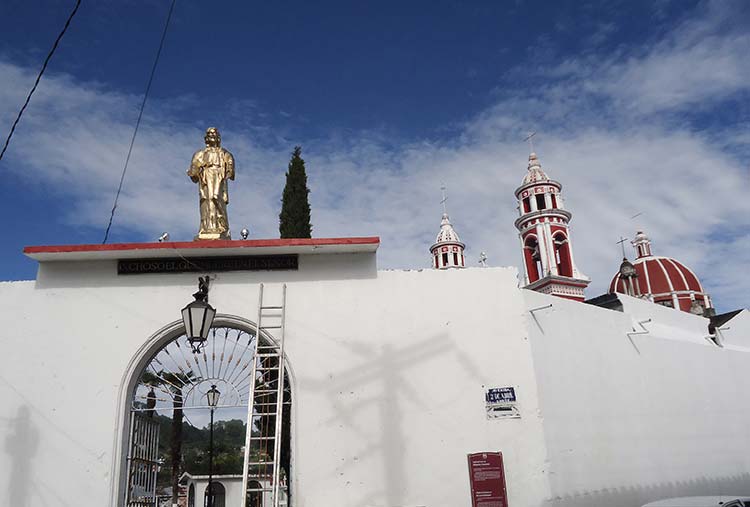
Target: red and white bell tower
[(545, 238), (447, 251)]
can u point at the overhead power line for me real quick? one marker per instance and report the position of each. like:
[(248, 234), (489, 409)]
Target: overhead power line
[(39, 77), (138, 122)]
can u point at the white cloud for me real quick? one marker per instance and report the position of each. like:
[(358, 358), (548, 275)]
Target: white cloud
[(691, 191), (702, 61), (684, 74)]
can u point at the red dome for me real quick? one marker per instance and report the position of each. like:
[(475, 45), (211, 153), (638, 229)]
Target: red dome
[(664, 280)]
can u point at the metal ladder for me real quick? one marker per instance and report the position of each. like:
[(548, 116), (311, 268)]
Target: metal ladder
[(265, 408)]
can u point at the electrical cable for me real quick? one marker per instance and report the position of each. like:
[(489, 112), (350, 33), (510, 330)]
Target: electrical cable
[(138, 122), (39, 77)]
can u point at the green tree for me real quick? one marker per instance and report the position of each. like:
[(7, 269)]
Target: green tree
[(294, 219)]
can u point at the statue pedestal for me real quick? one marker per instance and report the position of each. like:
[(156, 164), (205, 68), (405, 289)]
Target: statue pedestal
[(212, 235)]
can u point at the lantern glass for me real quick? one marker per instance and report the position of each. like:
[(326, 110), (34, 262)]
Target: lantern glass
[(198, 317), (213, 396)]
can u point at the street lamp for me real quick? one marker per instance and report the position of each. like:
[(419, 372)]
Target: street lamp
[(198, 317), (213, 400), (213, 397)]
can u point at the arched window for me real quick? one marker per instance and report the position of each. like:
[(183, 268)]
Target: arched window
[(180, 379), (540, 204), (218, 492), (255, 494), (562, 255), (532, 259)]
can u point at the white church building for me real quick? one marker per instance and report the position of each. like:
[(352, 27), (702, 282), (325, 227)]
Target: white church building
[(399, 385)]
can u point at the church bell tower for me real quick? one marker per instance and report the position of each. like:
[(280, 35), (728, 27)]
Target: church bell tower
[(545, 237), (448, 250)]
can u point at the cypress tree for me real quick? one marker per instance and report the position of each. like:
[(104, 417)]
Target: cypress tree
[(294, 219)]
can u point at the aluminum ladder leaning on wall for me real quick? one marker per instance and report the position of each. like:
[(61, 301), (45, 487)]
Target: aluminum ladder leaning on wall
[(266, 406)]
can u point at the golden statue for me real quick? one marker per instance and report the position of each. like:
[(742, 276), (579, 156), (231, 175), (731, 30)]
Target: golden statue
[(211, 168)]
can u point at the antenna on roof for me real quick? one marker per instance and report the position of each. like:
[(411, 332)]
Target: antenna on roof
[(638, 222), (529, 139)]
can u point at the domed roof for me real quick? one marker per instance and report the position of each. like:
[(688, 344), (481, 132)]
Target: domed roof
[(535, 174), (447, 234), (661, 279), (660, 275)]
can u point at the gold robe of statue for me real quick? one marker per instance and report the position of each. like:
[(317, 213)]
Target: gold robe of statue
[(211, 168)]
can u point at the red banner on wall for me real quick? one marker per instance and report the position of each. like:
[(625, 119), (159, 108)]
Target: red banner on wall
[(487, 478)]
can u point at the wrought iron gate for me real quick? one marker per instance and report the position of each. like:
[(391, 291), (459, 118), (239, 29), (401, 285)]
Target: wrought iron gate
[(143, 461), (248, 373)]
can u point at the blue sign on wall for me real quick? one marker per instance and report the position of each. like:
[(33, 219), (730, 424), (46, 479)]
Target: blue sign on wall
[(500, 395)]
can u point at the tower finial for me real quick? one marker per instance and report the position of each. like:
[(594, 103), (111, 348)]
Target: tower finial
[(622, 244), (529, 139), (642, 244), (444, 189)]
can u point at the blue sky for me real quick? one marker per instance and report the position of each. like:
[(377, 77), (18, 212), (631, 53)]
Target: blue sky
[(641, 107)]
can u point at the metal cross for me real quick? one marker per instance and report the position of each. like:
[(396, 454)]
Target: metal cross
[(622, 244), (530, 140), (443, 189)]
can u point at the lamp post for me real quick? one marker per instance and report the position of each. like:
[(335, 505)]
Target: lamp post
[(213, 400), (198, 316)]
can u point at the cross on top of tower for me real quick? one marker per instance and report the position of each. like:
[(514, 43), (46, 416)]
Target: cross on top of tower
[(530, 140), (622, 244), (443, 190)]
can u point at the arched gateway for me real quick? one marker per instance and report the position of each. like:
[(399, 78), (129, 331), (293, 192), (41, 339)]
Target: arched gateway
[(177, 424)]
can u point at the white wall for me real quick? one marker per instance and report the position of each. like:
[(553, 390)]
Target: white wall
[(390, 376), (626, 422), (735, 334), (389, 370)]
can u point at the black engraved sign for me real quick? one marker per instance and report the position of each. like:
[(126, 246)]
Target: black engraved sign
[(207, 264)]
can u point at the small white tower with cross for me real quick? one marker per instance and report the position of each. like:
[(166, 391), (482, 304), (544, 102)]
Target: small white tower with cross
[(447, 251)]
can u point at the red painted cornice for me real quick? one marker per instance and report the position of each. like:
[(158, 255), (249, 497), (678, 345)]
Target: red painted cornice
[(206, 248)]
